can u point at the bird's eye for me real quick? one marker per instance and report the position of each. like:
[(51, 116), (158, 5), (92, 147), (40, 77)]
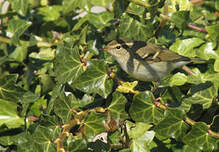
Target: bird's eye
[(118, 47)]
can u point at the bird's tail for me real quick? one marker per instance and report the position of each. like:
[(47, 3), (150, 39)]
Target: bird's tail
[(198, 60)]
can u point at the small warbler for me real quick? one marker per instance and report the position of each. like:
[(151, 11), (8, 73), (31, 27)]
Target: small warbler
[(146, 61)]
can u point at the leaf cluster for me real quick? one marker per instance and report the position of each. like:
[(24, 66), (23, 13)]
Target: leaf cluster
[(59, 91)]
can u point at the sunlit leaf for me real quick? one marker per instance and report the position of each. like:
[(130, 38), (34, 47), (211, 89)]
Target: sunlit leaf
[(16, 28), (9, 115)]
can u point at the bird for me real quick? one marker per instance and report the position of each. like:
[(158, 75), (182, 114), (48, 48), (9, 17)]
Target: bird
[(146, 61)]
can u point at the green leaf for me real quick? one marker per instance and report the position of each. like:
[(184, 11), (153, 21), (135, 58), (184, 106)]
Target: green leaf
[(180, 18), (117, 106), (206, 51), (20, 6), (94, 124), (100, 20), (178, 79), (9, 90), (203, 94), (50, 13), (216, 65), (38, 106), (95, 79), (217, 5), (213, 31), (186, 47), (119, 7), (43, 138), (9, 115), (68, 66), (173, 124), (138, 129), (199, 138), (215, 124), (63, 106), (134, 29), (20, 53), (77, 144), (105, 3), (141, 137), (143, 109), (43, 54), (16, 28)]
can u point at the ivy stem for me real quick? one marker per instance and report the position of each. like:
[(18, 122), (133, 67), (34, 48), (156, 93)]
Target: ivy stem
[(66, 132)]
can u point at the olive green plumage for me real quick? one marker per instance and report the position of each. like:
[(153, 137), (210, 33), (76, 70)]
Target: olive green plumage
[(145, 61)]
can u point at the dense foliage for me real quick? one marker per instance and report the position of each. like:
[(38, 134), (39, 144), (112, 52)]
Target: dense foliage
[(59, 91)]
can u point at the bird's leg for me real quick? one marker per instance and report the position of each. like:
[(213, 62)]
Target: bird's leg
[(188, 70)]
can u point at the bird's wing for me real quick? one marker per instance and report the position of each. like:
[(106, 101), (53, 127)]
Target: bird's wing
[(153, 53)]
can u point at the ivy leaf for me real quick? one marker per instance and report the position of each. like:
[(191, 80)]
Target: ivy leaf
[(9, 116), (172, 125), (117, 106), (16, 28), (203, 94), (94, 124), (127, 87), (100, 20), (198, 137), (180, 18), (20, 6), (134, 29), (43, 139), (20, 53), (215, 123), (213, 31), (186, 47), (63, 106), (68, 66), (95, 79), (50, 13), (178, 79), (144, 110), (141, 137), (9, 90)]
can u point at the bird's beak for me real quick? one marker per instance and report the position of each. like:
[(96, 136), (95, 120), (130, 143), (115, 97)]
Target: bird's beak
[(106, 48)]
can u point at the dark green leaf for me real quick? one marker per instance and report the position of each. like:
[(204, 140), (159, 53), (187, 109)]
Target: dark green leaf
[(95, 79), (180, 18), (94, 124), (172, 125), (16, 28), (213, 31), (134, 29), (68, 66), (201, 94), (117, 106), (144, 110), (9, 90), (20, 6), (199, 138)]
